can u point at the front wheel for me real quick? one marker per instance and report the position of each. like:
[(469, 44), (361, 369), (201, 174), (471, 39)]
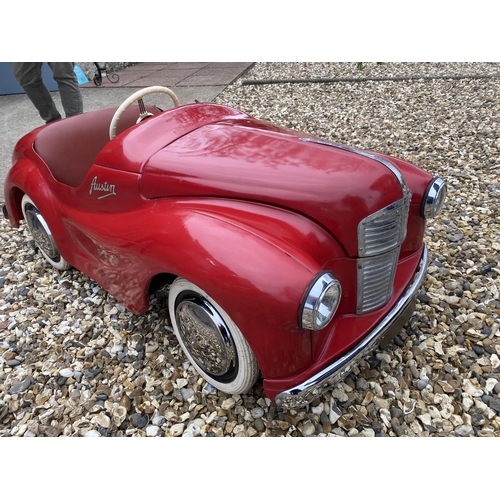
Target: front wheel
[(211, 341)]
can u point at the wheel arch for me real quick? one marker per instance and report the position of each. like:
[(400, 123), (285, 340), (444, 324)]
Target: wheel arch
[(160, 280), (238, 258), (13, 200), (25, 177)]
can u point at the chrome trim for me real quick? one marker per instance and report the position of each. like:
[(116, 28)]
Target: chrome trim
[(314, 297), (375, 280), (384, 230), (433, 192), (304, 393), (380, 236), (373, 156), (41, 233), (206, 336)]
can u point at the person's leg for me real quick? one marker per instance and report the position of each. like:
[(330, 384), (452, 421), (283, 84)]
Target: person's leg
[(67, 82), (29, 76)]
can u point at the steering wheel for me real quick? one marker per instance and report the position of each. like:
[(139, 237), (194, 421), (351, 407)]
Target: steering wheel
[(137, 96)]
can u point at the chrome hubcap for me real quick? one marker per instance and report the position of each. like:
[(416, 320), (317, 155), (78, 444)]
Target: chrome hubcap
[(41, 232), (206, 336)]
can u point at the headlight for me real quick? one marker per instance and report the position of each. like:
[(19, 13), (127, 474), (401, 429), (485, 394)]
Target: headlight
[(434, 198), (320, 302)]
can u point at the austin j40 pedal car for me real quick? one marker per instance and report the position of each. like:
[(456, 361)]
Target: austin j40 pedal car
[(287, 256)]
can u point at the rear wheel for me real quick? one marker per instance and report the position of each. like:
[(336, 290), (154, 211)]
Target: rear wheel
[(210, 339), (42, 235)]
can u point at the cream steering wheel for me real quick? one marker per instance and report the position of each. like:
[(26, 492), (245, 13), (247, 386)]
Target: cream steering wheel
[(137, 96)]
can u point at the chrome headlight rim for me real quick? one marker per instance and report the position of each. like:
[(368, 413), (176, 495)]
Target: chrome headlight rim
[(325, 287), (434, 198)]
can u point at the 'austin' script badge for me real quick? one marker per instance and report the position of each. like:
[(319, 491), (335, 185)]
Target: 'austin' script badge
[(104, 187)]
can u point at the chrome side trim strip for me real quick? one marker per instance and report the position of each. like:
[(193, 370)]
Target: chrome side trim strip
[(304, 393), (375, 157)]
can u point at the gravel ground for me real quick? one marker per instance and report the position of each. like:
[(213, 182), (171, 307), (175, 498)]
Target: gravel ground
[(74, 362)]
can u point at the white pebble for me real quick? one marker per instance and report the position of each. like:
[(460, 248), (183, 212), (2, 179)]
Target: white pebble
[(177, 430), (490, 384), (470, 389), (152, 430), (93, 433)]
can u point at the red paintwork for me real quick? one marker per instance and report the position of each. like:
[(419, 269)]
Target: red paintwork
[(244, 209)]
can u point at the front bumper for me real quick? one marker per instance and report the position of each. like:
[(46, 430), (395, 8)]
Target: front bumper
[(381, 335)]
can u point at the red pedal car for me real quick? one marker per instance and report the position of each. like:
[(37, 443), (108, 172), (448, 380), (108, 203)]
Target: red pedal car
[(287, 256)]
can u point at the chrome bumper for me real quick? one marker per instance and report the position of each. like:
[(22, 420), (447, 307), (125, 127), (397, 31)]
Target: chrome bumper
[(390, 326)]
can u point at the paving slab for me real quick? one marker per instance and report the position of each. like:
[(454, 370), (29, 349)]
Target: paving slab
[(168, 77)]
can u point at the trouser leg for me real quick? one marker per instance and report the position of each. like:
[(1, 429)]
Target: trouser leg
[(69, 89), (29, 76)]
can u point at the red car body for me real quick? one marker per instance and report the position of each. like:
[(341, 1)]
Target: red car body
[(250, 213)]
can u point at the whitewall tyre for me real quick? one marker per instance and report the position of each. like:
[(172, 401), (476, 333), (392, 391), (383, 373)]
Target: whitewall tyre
[(211, 341), (42, 234)]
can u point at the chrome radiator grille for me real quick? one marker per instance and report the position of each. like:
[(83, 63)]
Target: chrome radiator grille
[(380, 236)]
